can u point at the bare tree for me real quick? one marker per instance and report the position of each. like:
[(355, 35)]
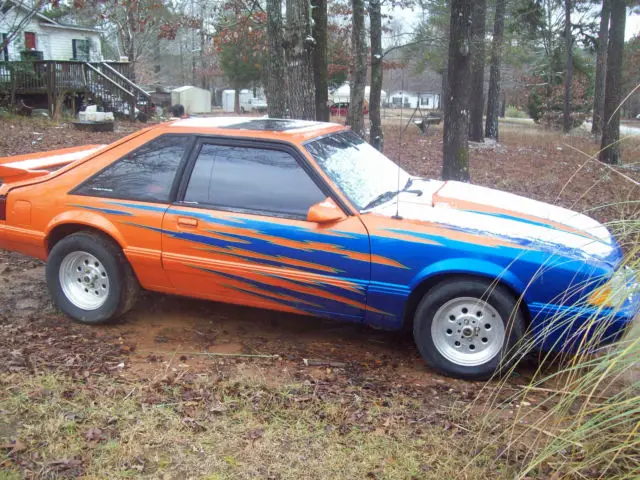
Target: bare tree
[(276, 102), (375, 19), (477, 70), (568, 69), (493, 100), (455, 158), (601, 68), (610, 149), (355, 115), (320, 67), (299, 45)]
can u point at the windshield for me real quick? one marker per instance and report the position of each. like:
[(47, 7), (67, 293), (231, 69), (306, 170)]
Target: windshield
[(361, 171)]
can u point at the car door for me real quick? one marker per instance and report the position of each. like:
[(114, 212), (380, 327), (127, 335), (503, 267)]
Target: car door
[(239, 234)]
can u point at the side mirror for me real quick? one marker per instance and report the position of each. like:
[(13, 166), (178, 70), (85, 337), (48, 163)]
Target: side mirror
[(325, 212)]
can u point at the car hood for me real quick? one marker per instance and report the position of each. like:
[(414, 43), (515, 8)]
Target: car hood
[(530, 223)]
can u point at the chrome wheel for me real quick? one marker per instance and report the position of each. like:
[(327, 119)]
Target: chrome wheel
[(468, 331), (84, 280)]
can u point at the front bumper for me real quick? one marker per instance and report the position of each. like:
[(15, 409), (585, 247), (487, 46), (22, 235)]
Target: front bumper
[(561, 328)]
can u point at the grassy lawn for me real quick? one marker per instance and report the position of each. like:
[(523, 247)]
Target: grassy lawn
[(199, 426)]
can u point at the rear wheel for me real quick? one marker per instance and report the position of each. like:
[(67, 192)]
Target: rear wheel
[(90, 279), (467, 328)]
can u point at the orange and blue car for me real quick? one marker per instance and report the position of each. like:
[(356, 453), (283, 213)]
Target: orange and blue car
[(306, 217)]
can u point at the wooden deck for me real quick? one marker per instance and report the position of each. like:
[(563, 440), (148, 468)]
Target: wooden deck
[(107, 81)]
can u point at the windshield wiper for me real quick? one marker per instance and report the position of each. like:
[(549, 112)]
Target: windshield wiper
[(383, 197)]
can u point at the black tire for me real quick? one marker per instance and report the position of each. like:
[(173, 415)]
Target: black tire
[(123, 285), (497, 297)]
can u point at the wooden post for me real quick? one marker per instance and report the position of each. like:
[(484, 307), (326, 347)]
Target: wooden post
[(14, 83), (51, 87), (132, 108)]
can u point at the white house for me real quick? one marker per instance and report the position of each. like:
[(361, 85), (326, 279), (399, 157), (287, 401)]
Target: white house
[(427, 101), (54, 40)]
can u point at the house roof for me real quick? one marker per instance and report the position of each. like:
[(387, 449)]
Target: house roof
[(65, 26), (49, 22)]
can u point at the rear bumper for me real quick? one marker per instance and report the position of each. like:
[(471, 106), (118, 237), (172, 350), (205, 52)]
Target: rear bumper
[(560, 328), (27, 242)]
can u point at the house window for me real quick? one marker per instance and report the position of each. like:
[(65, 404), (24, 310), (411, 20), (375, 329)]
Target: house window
[(81, 49), (29, 41), (4, 54)]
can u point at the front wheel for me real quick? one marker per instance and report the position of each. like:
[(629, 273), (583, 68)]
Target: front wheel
[(90, 279), (467, 328)]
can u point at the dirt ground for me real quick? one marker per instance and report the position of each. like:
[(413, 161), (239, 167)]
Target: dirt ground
[(182, 339)]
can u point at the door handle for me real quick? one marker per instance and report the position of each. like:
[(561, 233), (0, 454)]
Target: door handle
[(187, 222)]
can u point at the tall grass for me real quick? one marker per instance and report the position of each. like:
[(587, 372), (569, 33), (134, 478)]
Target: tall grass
[(578, 415)]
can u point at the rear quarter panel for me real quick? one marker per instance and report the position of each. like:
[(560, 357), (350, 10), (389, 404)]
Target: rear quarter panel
[(35, 210)]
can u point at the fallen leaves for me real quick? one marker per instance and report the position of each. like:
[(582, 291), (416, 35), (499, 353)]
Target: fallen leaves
[(94, 434), (14, 446), (255, 434)]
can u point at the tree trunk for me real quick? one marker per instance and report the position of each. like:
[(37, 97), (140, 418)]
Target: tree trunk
[(568, 69), (131, 45), (601, 68), (477, 70), (444, 90), (493, 100), (320, 67), (299, 55), (455, 151), (610, 148), (276, 100), (444, 95), (376, 137), (236, 100), (355, 115)]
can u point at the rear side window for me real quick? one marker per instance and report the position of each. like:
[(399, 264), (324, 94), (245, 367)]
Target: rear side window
[(252, 179), (146, 174)]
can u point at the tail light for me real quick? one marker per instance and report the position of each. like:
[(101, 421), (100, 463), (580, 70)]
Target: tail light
[(3, 208)]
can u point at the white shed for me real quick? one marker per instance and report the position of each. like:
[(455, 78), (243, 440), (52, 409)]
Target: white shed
[(228, 101), (193, 99)]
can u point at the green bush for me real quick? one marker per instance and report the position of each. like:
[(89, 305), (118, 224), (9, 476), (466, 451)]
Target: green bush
[(534, 106), (514, 112)]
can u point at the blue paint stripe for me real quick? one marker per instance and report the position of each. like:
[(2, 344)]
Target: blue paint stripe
[(276, 262), (108, 211), (148, 208), (540, 223), (307, 297)]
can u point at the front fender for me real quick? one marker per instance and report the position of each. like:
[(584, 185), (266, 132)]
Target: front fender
[(470, 266), (90, 219)]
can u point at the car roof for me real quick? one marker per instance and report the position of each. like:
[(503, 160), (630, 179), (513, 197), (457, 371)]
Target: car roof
[(255, 127)]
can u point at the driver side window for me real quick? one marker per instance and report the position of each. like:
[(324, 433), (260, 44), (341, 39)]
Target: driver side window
[(255, 180)]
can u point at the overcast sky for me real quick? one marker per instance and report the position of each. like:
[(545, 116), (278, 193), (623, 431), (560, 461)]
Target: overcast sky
[(633, 26), (410, 17)]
